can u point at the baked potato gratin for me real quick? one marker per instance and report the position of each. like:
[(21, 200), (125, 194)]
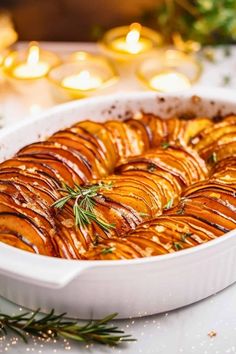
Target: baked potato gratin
[(121, 189)]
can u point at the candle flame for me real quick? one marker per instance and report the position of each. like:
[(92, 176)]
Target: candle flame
[(33, 55), (84, 75), (82, 81), (9, 60), (133, 36)]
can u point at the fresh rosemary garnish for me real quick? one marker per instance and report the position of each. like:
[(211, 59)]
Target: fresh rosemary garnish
[(177, 246), (108, 250), (185, 236), (151, 167), (84, 202), (57, 326), (212, 158), (181, 210), (165, 145), (169, 204), (143, 215)]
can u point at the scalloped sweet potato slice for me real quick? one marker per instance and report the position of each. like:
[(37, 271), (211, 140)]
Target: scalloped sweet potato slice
[(97, 168), (23, 225), (85, 140), (213, 134), (135, 186), (125, 138), (18, 241), (68, 156), (156, 127), (211, 212), (195, 126), (114, 249), (8, 204), (35, 179), (103, 136), (144, 135), (54, 168)]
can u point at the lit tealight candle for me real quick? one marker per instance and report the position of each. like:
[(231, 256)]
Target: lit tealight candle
[(132, 43), (81, 75), (169, 71), (33, 68), (83, 81), (169, 81), (127, 42)]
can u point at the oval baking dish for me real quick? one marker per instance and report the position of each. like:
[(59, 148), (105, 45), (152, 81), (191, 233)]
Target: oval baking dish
[(91, 289)]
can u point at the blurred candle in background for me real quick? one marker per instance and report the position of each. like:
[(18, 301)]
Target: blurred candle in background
[(29, 64), (169, 70), (33, 67), (80, 75), (83, 81), (132, 43), (128, 42), (169, 81)]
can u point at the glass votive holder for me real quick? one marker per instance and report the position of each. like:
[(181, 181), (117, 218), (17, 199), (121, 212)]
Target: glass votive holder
[(27, 69), (127, 43), (81, 75), (169, 71)]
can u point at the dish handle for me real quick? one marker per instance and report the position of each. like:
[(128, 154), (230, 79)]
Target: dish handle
[(39, 270)]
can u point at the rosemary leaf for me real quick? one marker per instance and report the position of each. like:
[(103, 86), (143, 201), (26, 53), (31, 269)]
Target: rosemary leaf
[(108, 250), (165, 145), (143, 215), (169, 204), (151, 167), (185, 235), (177, 246), (181, 210), (56, 326), (213, 158), (84, 202)]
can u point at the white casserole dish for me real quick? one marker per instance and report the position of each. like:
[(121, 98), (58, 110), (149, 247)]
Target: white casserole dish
[(92, 289)]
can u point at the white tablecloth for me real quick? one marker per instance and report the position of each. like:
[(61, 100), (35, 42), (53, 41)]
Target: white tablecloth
[(181, 331)]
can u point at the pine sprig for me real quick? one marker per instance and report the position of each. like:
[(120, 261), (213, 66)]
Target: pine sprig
[(57, 326), (84, 203)]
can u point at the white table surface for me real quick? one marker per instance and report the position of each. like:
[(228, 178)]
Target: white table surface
[(181, 331)]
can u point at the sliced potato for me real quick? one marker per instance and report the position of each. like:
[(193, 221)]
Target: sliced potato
[(17, 223)]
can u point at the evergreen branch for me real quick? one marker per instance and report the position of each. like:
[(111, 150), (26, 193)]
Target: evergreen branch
[(57, 326)]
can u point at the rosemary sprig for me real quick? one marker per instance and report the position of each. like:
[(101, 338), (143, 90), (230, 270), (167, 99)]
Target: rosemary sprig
[(169, 204), (143, 215), (185, 235), (57, 326), (108, 250), (177, 246), (212, 159), (151, 167), (165, 145), (181, 209), (84, 202)]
